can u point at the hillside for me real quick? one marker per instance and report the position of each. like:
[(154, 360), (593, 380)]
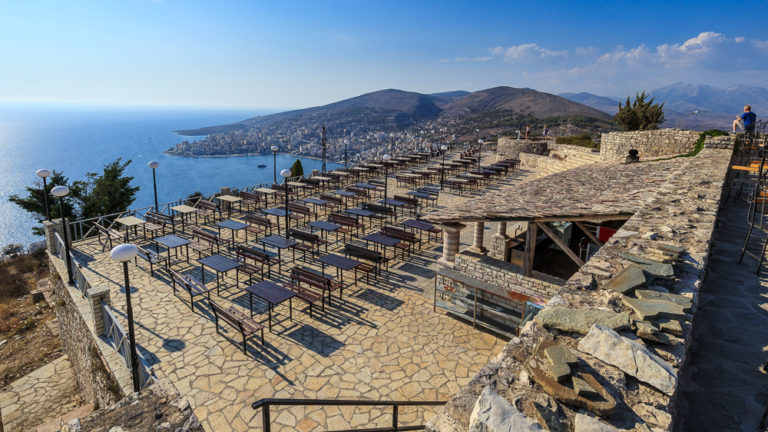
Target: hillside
[(603, 103), (687, 97), (367, 118)]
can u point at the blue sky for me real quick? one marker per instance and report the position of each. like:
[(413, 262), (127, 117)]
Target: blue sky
[(304, 53)]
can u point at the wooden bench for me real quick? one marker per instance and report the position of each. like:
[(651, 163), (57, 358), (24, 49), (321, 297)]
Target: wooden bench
[(314, 241), (257, 224), (191, 285), (250, 199), (360, 252), (261, 257), (346, 223), (410, 202), (407, 238), (156, 221), (316, 280), (383, 211), (333, 200), (306, 294), (299, 212), (109, 234), (208, 209), (204, 241), (152, 258), (239, 321)]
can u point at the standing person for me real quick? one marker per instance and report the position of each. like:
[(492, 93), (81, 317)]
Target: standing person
[(747, 120), (518, 134), (544, 132), (527, 131)]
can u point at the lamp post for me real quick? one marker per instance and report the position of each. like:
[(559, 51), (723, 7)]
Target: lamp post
[(346, 153), (43, 174), (286, 173), (479, 152), (61, 192), (154, 165), (677, 123), (124, 253), (386, 159), (274, 164), (391, 142), (477, 134), (442, 168)]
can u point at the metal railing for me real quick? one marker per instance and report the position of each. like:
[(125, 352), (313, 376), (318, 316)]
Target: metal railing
[(119, 340), (81, 282), (265, 404)]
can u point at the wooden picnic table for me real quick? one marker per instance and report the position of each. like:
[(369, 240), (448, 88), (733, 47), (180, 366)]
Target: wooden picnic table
[(220, 264), (278, 242), (341, 263), (131, 221), (230, 200)]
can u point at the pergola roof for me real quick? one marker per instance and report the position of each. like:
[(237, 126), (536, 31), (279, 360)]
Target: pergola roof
[(599, 191)]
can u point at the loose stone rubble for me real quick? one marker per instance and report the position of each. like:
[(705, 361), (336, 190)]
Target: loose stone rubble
[(493, 413)]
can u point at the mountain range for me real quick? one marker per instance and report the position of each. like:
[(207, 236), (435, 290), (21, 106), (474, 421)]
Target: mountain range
[(715, 107)]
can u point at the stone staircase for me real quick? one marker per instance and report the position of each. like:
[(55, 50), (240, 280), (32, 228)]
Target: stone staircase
[(560, 161)]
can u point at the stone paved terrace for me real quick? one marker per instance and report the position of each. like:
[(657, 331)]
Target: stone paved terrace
[(40, 397), (383, 341)]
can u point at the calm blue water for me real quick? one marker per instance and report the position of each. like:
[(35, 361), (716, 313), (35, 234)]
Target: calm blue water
[(81, 140)]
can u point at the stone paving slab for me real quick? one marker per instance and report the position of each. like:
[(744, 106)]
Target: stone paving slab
[(45, 394), (382, 341)]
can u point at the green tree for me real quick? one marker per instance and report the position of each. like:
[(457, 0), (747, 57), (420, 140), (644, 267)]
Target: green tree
[(110, 192), (34, 201), (639, 115), (297, 169)]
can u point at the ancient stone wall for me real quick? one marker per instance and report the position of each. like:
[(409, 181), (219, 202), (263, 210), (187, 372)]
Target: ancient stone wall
[(99, 369), (509, 148), (506, 275), (720, 142), (652, 143), (681, 216)]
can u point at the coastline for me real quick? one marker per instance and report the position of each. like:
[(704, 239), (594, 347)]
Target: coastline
[(251, 154)]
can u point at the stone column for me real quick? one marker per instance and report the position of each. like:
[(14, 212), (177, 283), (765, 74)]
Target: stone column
[(477, 245), (225, 204), (451, 241), (96, 297), (49, 227), (502, 231)]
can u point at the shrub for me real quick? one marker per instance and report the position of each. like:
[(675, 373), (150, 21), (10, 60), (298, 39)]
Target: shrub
[(640, 114), (582, 140)]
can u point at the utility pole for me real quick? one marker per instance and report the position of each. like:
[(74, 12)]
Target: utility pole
[(323, 141)]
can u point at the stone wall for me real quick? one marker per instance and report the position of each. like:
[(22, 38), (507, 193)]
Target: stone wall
[(506, 275), (102, 375), (682, 214), (720, 142), (615, 146), (509, 148)]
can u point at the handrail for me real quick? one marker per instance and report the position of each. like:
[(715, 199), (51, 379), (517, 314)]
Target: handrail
[(266, 403)]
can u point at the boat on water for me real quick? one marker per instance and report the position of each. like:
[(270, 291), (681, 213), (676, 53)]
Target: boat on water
[(261, 165)]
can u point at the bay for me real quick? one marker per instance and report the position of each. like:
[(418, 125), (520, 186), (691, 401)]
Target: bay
[(81, 139)]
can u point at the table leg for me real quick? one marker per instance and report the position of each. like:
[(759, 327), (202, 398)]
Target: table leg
[(290, 309), (269, 309), (250, 302)]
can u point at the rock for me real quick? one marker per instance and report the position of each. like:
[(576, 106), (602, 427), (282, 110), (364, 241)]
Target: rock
[(556, 300), (580, 320), (585, 423), (628, 279), (549, 416), (649, 332), (493, 413), (683, 301), (653, 415), (655, 268), (670, 326), (561, 354), (650, 235), (631, 357), (116, 429), (651, 309), (582, 388), (622, 233)]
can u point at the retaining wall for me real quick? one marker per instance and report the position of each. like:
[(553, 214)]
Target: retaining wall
[(615, 146)]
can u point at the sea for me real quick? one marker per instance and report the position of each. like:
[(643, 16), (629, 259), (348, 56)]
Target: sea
[(81, 139)]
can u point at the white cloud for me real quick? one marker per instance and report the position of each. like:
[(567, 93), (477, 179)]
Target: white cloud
[(527, 53), (709, 57), (467, 59)]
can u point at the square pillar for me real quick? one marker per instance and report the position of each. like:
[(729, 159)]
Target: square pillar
[(49, 227), (97, 296), (451, 241), (477, 244)]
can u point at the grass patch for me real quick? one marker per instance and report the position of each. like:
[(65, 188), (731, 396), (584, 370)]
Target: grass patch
[(581, 140), (700, 142)]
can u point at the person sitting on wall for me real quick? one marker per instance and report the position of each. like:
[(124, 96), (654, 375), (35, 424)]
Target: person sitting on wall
[(746, 121)]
